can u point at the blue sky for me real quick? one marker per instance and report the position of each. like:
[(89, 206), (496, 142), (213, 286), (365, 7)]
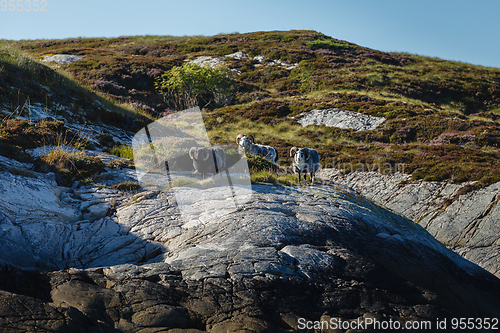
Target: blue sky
[(466, 31)]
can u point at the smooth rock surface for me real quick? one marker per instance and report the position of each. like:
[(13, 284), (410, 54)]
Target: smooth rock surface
[(339, 118), (62, 59), (469, 224), (285, 253), (214, 61), (51, 227)]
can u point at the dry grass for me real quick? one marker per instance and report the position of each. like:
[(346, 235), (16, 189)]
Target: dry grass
[(69, 166)]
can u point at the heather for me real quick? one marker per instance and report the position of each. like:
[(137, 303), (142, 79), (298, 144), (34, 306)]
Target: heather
[(26, 83), (442, 116)]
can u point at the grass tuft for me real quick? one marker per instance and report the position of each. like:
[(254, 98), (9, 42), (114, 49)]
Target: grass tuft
[(121, 150), (126, 186), (69, 166)]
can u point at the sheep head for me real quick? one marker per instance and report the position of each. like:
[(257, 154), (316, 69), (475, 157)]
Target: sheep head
[(199, 153), (239, 137), (245, 141), (303, 153)]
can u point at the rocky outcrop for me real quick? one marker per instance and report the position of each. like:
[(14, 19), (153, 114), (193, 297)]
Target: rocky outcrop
[(469, 224), (62, 59), (318, 253), (51, 227), (339, 118), (259, 60)]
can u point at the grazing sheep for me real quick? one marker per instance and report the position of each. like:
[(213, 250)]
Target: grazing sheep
[(208, 160), (248, 143), (305, 160)]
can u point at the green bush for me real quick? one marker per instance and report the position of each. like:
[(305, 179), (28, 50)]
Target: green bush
[(308, 82), (121, 150), (190, 85)]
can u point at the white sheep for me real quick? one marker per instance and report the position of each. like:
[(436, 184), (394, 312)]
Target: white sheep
[(247, 142), (305, 160)]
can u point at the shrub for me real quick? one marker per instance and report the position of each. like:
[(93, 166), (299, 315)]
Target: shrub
[(403, 134), (105, 139), (109, 86), (308, 81), (126, 186), (15, 152), (121, 150), (190, 85), (69, 166)]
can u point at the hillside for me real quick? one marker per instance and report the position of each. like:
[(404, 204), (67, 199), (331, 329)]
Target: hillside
[(86, 244), (442, 116)]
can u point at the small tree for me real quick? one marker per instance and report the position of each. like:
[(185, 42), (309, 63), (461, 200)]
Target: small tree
[(190, 85)]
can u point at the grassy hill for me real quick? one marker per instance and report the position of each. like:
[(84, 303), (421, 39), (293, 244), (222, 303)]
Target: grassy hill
[(443, 116)]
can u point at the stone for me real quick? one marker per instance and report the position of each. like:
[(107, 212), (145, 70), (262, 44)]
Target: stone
[(15, 317), (62, 59), (339, 118), (208, 61), (33, 199), (469, 224), (162, 316), (97, 211), (57, 227), (97, 303), (214, 61)]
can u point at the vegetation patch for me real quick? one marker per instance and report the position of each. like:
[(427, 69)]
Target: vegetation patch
[(190, 85), (69, 166), (22, 172), (121, 150), (24, 80), (268, 177), (328, 44), (126, 186), (27, 134), (121, 164), (442, 116)]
